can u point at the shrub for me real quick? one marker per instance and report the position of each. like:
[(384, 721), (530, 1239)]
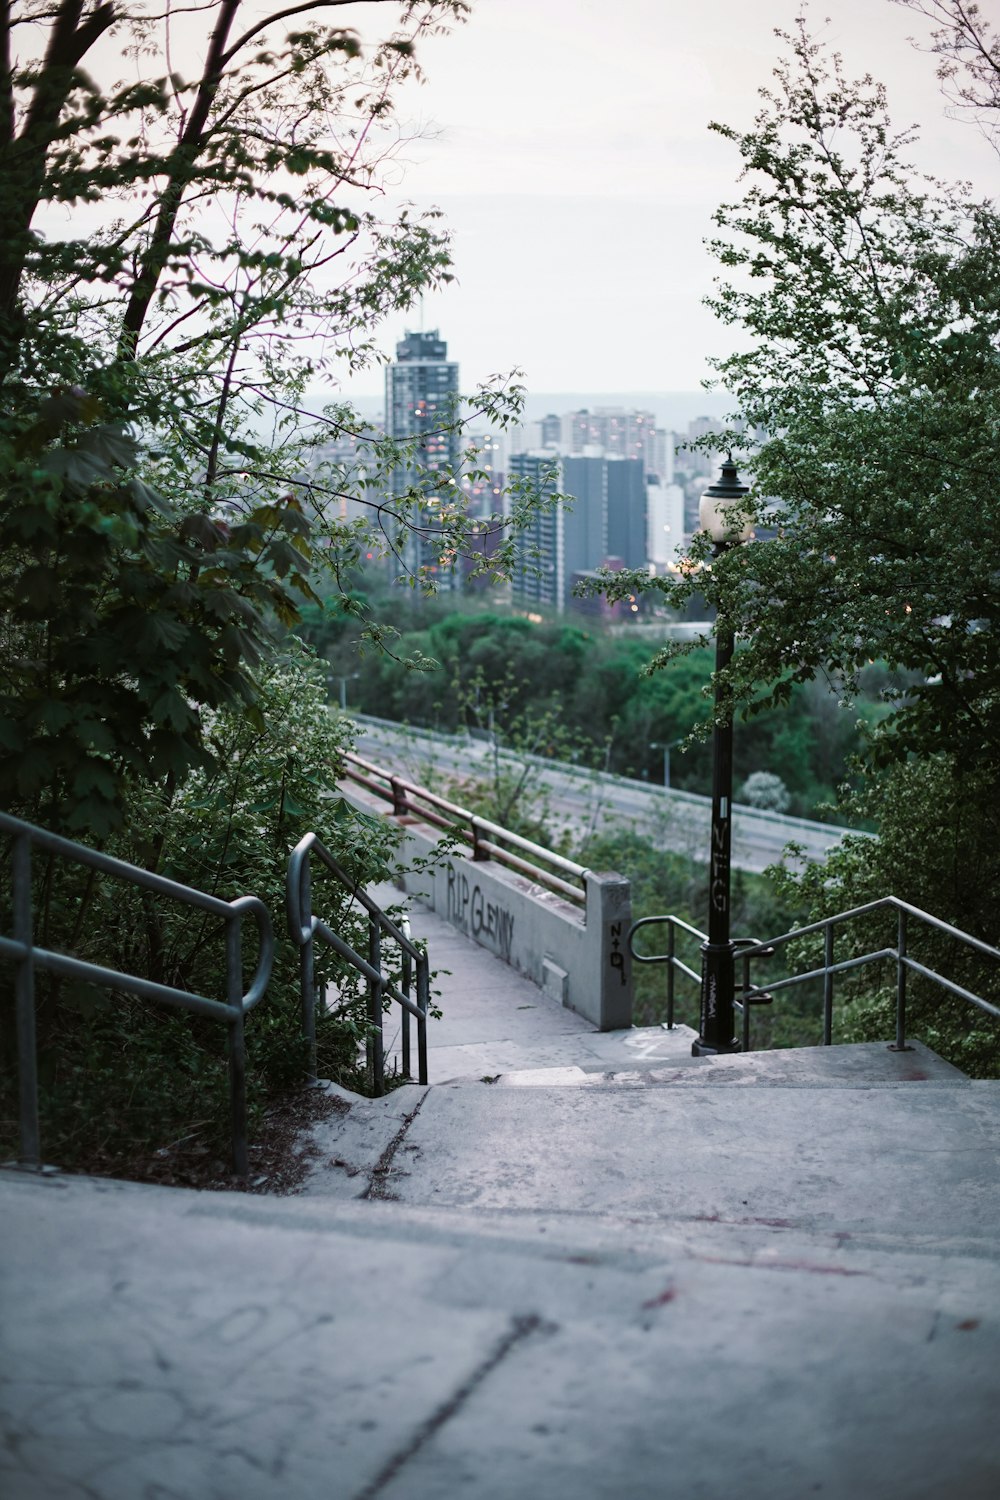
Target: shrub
[(121, 1077)]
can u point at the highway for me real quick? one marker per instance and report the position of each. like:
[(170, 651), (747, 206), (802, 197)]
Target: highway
[(586, 802)]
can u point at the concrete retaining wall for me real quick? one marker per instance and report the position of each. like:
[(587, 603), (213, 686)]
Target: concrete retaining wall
[(580, 958)]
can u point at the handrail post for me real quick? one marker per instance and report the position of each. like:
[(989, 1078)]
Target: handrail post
[(746, 1003), (478, 853), (671, 951), (828, 985), (423, 1000), (27, 1055), (900, 1043), (407, 978), (400, 806), (237, 1045), (307, 971), (374, 1058)]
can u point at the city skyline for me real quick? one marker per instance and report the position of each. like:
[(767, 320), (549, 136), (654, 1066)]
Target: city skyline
[(616, 464), (579, 209)]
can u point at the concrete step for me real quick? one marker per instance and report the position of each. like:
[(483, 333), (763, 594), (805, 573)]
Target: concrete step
[(797, 1138), (857, 1065), (642, 1285), (180, 1344), (915, 1163), (523, 1042)]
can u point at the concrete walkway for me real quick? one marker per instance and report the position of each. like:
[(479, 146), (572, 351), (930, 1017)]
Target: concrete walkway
[(496, 1021), (603, 1276)]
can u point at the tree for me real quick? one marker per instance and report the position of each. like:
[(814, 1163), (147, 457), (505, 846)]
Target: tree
[(872, 298), (968, 49), (764, 789), (184, 251), (124, 618), (182, 255), (871, 295), (238, 181), (533, 674)]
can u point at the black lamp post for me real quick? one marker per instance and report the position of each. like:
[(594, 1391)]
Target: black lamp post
[(723, 517)]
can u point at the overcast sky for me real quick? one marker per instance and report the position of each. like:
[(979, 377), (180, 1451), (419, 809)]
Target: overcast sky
[(570, 153)]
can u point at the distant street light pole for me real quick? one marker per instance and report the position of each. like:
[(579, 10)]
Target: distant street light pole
[(344, 679), (718, 955), (666, 748)]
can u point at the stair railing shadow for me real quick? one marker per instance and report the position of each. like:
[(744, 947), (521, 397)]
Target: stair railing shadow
[(304, 927)]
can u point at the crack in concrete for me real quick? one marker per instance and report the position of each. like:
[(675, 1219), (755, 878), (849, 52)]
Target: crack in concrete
[(378, 1176), (520, 1328), (781, 1265)]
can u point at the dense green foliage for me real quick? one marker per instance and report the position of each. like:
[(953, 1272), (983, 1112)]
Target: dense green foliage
[(871, 296), (125, 616), (937, 850), (121, 1076), (580, 693), (165, 508)]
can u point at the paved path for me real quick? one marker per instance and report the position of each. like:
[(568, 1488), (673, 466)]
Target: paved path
[(604, 1276), (495, 1020)]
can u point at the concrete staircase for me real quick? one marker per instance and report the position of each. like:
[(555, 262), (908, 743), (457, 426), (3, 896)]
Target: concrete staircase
[(576, 1265)]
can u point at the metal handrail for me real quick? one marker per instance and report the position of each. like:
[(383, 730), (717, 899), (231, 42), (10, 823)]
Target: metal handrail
[(304, 927), (752, 948), (481, 834), (899, 955), (28, 955), (676, 964), (670, 957)]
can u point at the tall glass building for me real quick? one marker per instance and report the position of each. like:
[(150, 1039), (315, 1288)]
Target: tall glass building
[(421, 402)]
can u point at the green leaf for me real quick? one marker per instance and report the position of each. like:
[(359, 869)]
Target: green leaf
[(172, 710)]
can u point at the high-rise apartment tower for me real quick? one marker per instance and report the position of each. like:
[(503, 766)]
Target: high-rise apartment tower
[(421, 402)]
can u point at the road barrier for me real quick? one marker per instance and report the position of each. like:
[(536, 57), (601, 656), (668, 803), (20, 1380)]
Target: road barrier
[(749, 822)]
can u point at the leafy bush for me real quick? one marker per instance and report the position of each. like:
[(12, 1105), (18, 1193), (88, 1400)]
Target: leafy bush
[(123, 615), (121, 1076), (765, 790), (939, 837)]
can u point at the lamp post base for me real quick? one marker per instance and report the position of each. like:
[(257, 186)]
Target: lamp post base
[(718, 987)]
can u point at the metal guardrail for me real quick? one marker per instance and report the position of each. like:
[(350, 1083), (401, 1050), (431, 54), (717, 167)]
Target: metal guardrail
[(487, 840), (28, 955), (304, 927), (674, 964), (751, 949), (782, 822)]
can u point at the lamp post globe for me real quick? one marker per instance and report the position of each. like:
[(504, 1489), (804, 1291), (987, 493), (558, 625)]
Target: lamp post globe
[(721, 512), (723, 516)]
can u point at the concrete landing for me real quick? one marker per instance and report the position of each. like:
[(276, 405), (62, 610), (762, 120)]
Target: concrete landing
[(914, 1165), (658, 1057)]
